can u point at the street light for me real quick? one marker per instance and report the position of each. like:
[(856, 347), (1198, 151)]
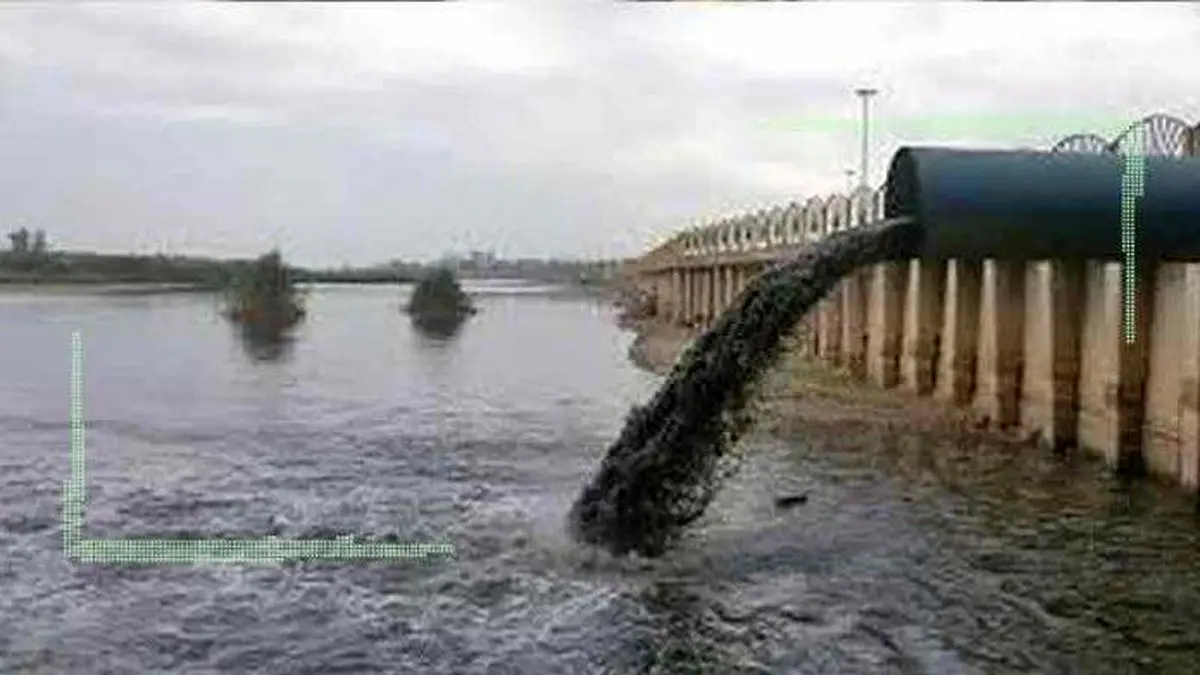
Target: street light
[(850, 180), (865, 94)]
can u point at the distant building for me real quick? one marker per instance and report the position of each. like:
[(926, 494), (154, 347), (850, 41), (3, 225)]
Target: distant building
[(482, 260)]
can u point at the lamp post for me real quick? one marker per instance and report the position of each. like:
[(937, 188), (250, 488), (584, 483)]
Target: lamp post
[(865, 94), (850, 180)]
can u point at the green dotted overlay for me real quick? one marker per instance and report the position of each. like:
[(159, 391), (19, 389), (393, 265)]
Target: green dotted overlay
[(265, 551), (1133, 187)]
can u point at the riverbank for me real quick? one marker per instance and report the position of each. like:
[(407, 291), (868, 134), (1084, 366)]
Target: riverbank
[(10, 279), (102, 287)]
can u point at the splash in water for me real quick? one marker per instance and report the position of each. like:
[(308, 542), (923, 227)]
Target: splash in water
[(671, 457)]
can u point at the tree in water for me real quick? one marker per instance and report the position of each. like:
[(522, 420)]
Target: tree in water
[(439, 296), (263, 295)]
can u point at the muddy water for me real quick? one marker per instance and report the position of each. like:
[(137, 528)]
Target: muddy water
[(911, 555)]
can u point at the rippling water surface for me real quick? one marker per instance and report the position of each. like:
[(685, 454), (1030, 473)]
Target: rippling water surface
[(911, 555)]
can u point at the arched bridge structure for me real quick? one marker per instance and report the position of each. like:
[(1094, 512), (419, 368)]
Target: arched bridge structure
[(1037, 345)]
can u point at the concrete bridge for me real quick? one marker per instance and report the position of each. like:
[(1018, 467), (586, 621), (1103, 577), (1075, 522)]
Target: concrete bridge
[(1033, 346)]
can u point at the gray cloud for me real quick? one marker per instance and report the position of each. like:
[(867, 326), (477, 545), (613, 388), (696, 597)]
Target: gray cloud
[(369, 132)]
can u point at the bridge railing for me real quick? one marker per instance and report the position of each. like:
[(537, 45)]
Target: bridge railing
[(784, 227)]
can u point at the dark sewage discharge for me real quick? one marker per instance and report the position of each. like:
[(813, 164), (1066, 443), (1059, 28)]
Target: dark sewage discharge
[(666, 466)]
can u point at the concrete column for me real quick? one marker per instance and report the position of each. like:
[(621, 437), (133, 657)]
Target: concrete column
[(660, 282), (693, 287), (666, 308), (812, 341), (922, 325), (712, 308), (716, 290), (1134, 368), (1100, 344), (1113, 372), (1054, 296), (730, 285), (955, 381), (1067, 296), (677, 304), (684, 294), (705, 305), (854, 323), (1188, 371), (719, 291), (885, 312), (1001, 337), (1171, 379), (830, 340)]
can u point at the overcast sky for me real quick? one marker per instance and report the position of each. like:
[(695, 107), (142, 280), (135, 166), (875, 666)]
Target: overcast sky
[(363, 133)]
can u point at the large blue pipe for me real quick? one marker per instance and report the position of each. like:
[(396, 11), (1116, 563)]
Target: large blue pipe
[(1029, 205)]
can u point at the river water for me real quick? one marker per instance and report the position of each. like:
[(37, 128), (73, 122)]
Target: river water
[(910, 555)]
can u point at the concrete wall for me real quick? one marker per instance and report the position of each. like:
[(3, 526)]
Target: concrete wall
[(1034, 348)]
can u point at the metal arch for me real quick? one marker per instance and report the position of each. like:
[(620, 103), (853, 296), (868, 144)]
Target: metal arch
[(757, 235), (776, 219), (737, 235), (711, 238), (763, 223), (749, 230), (837, 213), (794, 223), (768, 225), (1165, 135), (1089, 143), (814, 218), (861, 203)]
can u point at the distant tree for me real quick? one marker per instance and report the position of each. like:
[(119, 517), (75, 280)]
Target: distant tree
[(439, 295), (40, 247), (263, 294), (20, 240)]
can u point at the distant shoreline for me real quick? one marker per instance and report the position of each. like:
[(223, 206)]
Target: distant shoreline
[(102, 287), (118, 287), (34, 281)]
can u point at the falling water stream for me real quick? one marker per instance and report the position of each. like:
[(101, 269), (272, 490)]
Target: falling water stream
[(669, 460)]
